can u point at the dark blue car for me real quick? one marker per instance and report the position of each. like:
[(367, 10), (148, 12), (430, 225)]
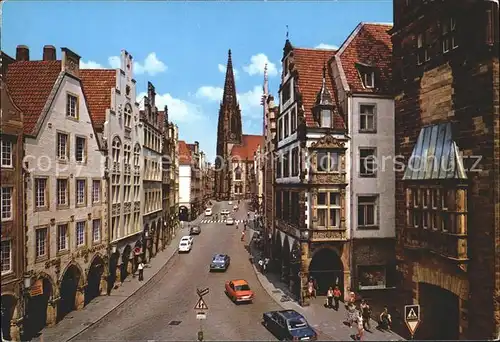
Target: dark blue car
[(288, 325), (220, 262)]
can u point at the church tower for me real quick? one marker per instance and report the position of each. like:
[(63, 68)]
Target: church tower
[(229, 133)]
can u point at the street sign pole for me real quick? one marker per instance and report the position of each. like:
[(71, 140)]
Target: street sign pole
[(412, 318), (201, 308)]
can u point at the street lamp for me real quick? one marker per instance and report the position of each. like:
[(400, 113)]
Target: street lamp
[(26, 294)]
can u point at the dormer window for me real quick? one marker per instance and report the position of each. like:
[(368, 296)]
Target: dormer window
[(326, 118), (285, 93), (368, 79)]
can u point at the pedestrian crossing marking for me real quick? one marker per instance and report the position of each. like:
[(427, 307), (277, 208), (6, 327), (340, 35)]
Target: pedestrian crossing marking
[(412, 314), (219, 221)]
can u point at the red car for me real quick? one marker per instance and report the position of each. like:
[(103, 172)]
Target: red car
[(239, 291)]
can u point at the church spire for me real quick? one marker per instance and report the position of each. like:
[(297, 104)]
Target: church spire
[(229, 97)]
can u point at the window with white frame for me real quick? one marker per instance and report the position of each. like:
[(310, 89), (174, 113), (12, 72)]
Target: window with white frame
[(96, 191), (81, 185), (286, 93), (237, 173), (62, 146), (328, 209), (7, 148), (80, 149), (422, 48), (449, 34), (96, 230), (368, 211), (6, 256), (326, 118), (62, 237), (126, 153), (295, 161), (72, 106), (128, 115), (286, 126), (7, 212), (367, 118), (280, 129), (116, 150), (41, 193), (41, 242), (367, 162), (293, 120), (327, 161), (137, 155), (80, 233), (368, 78), (62, 192)]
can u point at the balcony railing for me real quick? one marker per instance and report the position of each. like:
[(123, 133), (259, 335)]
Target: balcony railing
[(448, 245)]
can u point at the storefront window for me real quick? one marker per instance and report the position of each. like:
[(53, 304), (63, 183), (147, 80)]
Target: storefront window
[(372, 277)]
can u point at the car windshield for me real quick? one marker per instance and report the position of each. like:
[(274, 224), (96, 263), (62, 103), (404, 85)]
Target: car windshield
[(218, 261), (183, 244), (244, 287), (297, 323)]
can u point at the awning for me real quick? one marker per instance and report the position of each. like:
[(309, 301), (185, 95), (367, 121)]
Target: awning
[(435, 155)]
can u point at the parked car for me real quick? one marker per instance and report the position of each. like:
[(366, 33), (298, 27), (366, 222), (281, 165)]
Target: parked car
[(224, 212), (208, 212), (229, 221), (288, 325), (230, 203), (185, 245), (220, 262), (188, 238), (239, 291), (195, 230)]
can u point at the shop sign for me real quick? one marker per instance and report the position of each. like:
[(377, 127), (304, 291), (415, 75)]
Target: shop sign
[(37, 288)]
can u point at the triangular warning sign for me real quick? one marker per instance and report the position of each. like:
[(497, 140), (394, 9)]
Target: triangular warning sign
[(412, 315), (412, 326), (201, 305)]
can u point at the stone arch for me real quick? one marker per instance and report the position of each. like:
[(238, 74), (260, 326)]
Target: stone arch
[(9, 314), (326, 268), (71, 290), (285, 260), (155, 233), (125, 268), (183, 213), (444, 280), (41, 308), (94, 278), (82, 279)]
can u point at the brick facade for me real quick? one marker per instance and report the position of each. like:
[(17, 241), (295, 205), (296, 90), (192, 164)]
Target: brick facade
[(440, 80)]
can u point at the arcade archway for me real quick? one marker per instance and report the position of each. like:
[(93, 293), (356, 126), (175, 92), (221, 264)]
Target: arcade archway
[(155, 231), (37, 307), (183, 213), (295, 263), (285, 261), (8, 306), (124, 267), (277, 252), (113, 264), (70, 282), (439, 322), (94, 277), (327, 269)]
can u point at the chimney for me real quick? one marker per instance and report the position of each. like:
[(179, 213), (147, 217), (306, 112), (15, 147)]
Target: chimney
[(165, 110), (49, 53), (22, 53), (197, 144)]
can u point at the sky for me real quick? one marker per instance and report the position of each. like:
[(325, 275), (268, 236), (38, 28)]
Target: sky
[(181, 46)]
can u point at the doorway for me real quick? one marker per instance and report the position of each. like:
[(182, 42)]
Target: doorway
[(327, 269), (93, 288)]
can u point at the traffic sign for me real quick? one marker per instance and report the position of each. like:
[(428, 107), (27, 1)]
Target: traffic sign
[(202, 292), (412, 317), (201, 315), (201, 305)]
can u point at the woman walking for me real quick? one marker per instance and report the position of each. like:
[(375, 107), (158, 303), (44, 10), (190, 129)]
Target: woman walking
[(329, 298), (336, 297), (361, 327)]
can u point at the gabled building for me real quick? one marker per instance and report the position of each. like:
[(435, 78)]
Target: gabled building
[(446, 81), (12, 210), (170, 184), (185, 180), (311, 226), (361, 70), (235, 150), (152, 179), (64, 194), (110, 95)]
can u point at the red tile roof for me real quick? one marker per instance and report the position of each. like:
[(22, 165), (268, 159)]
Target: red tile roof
[(369, 44), (248, 147), (184, 153), (309, 65), (30, 84), (97, 85)]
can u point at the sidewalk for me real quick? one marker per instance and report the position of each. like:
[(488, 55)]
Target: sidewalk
[(78, 321), (327, 321)]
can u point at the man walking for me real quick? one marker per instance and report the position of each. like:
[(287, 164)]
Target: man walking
[(141, 271), (336, 297), (366, 312)]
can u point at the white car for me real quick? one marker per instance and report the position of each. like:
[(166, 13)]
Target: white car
[(229, 221), (230, 203), (224, 211), (186, 244), (208, 212)]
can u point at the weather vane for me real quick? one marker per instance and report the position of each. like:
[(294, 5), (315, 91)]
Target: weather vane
[(286, 31)]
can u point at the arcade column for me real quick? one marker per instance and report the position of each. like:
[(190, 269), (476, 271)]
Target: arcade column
[(15, 322), (52, 312), (80, 298)]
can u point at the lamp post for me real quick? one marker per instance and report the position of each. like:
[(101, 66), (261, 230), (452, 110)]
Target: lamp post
[(26, 286)]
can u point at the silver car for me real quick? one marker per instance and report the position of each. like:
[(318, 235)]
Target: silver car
[(229, 221)]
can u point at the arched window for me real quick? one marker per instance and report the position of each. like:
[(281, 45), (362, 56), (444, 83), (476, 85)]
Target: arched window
[(116, 149), (128, 115), (126, 153), (237, 173), (137, 154)]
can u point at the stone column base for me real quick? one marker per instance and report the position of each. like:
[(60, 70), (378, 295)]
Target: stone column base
[(80, 299), (51, 314)]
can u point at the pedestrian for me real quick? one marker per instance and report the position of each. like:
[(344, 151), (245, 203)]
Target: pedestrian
[(361, 327), (266, 263), (351, 313), (336, 297), (261, 264), (366, 312), (141, 271), (243, 235), (310, 288), (329, 298), (385, 319)]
